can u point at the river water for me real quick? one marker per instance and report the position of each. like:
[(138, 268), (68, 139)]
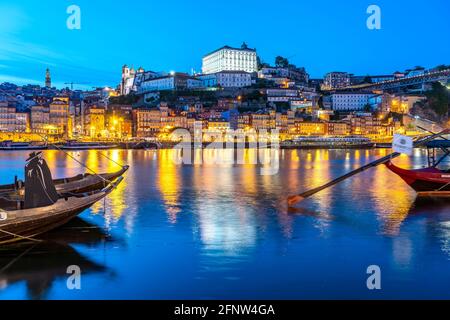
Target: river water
[(209, 231)]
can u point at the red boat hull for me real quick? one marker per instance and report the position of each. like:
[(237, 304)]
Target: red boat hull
[(423, 180)]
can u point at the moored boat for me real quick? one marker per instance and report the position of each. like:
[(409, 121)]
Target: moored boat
[(424, 181), (75, 145), (42, 209), (431, 181), (21, 224), (319, 142), (18, 146), (81, 183)]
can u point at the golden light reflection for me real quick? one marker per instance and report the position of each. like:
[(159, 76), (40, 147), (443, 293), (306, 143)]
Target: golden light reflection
[(67, 165), (392, 197), (224, 201), (116, 199), (169, 181)]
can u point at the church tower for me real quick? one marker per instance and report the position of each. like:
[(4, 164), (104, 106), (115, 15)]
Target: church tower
[(48, 79)]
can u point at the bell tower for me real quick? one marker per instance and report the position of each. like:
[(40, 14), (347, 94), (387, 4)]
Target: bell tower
[(48, 79)]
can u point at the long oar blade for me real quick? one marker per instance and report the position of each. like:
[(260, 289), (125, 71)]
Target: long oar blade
[(293, 200)]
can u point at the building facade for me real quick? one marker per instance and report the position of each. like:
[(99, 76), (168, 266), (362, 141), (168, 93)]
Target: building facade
[(230, 59), (40, 119), (146, 122), (310, 128), (226, 79), (94, 122), (176, 81), (350, 101), (127, 82), (336, 80), (7, 117), (59, 115), (281, 75)]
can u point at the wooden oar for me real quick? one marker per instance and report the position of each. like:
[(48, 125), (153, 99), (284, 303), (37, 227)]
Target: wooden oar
[(292, 200)]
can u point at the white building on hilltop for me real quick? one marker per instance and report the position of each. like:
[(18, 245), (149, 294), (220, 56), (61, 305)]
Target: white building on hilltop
[(230, 59)]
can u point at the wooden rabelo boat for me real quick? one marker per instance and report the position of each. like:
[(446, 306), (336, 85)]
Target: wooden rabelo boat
[(436, 187), (42, 208), (78, 184), (432, 181)]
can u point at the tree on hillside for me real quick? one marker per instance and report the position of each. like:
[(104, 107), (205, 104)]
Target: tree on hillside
[(438, 99), (281, 62), (367, 79), (442, 67), (261, 64)]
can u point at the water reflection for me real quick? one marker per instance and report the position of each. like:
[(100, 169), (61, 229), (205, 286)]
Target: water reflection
[(222, 222), (39, 265), (169, 180)]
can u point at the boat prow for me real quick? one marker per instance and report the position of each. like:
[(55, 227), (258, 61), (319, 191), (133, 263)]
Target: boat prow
[(430, 182), (16, 225)]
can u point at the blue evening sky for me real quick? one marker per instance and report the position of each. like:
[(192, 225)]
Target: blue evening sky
[(321, 35)]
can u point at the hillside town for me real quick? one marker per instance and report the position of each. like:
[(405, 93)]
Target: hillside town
[(235, 90)]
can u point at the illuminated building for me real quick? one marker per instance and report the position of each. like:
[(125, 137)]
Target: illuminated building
[(402, 104), (22, 122), (243, 121), (310, 128), (368, 125), (218, 125), (336, 80), (284, 76), (263, 120), (335, 128), (174, 81), (59, 115), (7, 117), (94, 122), (350, 101), (119, 120), (227, 79), (285, 122), (126, 85), (146, 122), (40, 119), (282, 95), (323, 115), (230, 59)]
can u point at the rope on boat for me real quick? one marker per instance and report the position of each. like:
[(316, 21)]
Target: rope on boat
[(19, 236), (82, 164), (443, 187), (76, 160), (110, 159)]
